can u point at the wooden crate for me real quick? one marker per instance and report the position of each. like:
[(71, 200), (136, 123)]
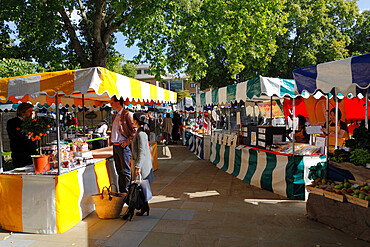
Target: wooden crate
[(357, 201), (357, 182), (314, 190), (334, 196)]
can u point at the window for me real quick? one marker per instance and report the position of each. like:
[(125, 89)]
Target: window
[(138, 71), (146, 71), (192, 85)]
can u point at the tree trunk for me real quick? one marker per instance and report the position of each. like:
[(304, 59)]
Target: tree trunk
[(99, 55)]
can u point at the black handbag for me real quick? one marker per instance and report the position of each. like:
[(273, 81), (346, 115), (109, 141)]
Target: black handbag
[(135, 197)]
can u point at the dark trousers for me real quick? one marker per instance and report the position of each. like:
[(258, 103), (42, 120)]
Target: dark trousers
[(121, 160), (21, 159)]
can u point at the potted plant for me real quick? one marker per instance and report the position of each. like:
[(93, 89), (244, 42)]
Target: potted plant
[(36, 129)]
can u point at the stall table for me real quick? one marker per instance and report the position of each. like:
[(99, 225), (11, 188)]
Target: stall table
[(283, 174), (49, 203), (200, 145)]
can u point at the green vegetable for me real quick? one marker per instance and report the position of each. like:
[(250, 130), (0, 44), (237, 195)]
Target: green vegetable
[(360, 157)]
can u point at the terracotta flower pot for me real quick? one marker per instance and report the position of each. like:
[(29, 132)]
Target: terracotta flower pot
[(41, 163)]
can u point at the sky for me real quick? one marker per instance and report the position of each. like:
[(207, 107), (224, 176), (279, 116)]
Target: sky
[(129, 53)]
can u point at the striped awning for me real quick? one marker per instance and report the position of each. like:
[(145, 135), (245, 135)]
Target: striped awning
[(347, 76), (249, 90), (97, 85)]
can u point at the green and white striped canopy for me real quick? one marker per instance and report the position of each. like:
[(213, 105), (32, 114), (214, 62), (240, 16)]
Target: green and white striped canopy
[(248, 90)]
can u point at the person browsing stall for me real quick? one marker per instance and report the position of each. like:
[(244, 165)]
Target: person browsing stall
[(22, 148), (141, 160), (123, 131)]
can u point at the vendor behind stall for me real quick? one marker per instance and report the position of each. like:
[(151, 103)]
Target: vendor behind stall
[(301, 135), (342, 129), (22, 148), (100, 131)]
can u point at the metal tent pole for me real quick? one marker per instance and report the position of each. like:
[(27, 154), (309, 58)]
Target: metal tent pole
[(293, 127), (367, 109), (1, 142), (336, 121), (327, 128), (58, 131), (83, 114), (271, 112)]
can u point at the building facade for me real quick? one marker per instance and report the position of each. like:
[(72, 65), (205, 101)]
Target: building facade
[(169, 81)]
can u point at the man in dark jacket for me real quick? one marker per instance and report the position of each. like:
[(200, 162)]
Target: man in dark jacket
[(22, 148)]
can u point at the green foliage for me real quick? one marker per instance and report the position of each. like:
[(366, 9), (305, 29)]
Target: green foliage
[(17, 67), (217, 73), (129, 69), (360, 35), (181, 94), (176, 37), (360, 139), (360, 157), (318, 31), (340, 156), (36, 128)]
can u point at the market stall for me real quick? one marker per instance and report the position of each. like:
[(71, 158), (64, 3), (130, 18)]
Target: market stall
[(54, 201), (258, 153), (336, 200)]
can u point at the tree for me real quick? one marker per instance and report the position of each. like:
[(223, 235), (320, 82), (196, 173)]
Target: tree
[(17, 67), (129, 69), (218, 74), (360, 35), (177, 36), (181, 94), (318, 32)]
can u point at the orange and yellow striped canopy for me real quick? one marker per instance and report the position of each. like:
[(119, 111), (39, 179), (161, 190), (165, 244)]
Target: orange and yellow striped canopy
[(97, 84)]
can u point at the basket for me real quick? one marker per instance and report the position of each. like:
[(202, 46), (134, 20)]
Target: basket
[(108, 205)]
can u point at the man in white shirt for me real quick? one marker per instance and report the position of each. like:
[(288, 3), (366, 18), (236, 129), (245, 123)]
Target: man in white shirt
[(123, 131)]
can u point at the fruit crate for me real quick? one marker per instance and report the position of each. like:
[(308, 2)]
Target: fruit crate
[(357, 201), (334, 196), (314, 190)]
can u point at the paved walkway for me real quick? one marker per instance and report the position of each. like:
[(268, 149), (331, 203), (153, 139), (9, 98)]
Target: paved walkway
[(196, 204)]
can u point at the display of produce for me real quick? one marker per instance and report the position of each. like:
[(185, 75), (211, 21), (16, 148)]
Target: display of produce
[(299, 149), (351, 191)]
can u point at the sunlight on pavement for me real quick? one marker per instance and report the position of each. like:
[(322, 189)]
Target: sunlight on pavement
[(202, 194), (268, 201), (158, 199)]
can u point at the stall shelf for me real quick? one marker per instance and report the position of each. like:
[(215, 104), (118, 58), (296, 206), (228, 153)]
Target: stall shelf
[(54, 202)]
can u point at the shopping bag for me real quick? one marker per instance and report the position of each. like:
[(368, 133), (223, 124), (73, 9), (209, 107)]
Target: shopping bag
[(135, 197), (146, 188), (108, 205)]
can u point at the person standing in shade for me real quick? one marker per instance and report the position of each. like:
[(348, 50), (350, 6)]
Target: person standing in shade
[(167, 128), (123, 131), (22, 148)]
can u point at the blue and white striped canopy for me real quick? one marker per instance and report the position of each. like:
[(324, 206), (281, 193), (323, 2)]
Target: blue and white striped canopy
[(347, 76), (248, 90), (186, 104)]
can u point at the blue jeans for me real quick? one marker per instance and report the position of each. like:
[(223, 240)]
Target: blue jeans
[(122, 163)]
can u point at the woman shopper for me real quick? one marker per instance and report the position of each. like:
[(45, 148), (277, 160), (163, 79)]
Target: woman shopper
[(141, 162)]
